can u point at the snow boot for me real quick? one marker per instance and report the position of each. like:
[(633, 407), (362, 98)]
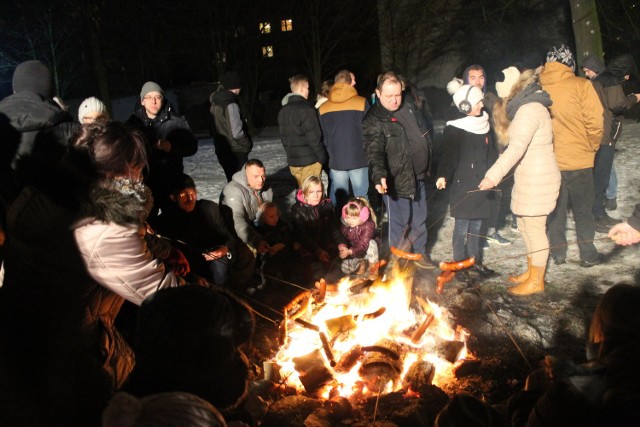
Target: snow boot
[(521, 278), (533, 285)]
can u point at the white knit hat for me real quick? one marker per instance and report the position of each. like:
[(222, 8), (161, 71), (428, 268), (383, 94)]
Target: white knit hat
[(91, 105), (466, 97), (511, 76)]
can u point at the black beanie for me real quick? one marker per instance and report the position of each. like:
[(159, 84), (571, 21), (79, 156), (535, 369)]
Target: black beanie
[(231, 80), (530, 61), (181, 182), (33, 76)]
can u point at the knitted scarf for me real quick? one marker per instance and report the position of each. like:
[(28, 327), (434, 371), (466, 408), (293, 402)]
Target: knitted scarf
[(531, 93)]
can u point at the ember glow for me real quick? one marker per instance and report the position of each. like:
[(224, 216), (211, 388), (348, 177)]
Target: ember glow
[(372, 339)]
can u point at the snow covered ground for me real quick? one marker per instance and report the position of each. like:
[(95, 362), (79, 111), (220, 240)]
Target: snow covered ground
[(541, 321), (554, 322)]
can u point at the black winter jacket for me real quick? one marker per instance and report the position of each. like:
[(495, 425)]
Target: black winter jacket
[(300, 133), (389, 153), (467, 157), (164, 168), (316, 227), (222, 122), (35, 133)]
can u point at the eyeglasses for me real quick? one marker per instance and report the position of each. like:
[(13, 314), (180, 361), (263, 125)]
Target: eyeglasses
[(187, 194), (156, 98)]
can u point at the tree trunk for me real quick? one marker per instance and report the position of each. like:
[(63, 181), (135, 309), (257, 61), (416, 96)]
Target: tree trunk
[(586, 29)]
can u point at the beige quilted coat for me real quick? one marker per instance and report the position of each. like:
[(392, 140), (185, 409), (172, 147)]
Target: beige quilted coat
[(530, 150)]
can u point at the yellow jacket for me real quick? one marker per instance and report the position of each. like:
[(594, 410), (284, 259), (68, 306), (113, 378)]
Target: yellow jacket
[(577, 115)]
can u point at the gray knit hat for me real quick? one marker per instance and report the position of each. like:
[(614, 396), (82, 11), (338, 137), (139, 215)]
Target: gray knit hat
[(593, 63), (150, 87)]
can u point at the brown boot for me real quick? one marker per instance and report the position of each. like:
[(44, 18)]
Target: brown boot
[(533, 285), (521, 278)]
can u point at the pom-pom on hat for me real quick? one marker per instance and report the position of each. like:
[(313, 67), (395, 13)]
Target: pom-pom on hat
[(511, 76), (466, 96), (563, 55), (150, 87), (33, 76), (91, 105), (454, 85), (231, 80)]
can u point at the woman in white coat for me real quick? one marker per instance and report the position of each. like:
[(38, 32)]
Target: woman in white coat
[(523, 124)]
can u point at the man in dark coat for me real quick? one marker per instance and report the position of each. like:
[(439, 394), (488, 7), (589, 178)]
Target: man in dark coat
[(198, 229), (229, 131), (170, 140), (608, 85), (399, 154), (34, 133), (34, 127), (300, 132)]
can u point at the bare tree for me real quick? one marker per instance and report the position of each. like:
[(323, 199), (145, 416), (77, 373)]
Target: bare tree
[(48, 36)]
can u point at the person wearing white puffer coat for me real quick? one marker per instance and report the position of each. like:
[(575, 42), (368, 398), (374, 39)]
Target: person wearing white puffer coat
[(522, 122)]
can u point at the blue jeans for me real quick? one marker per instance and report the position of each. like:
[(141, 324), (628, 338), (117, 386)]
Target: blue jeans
[(339, 191), (466, 239), (219, 270), (408, 221)]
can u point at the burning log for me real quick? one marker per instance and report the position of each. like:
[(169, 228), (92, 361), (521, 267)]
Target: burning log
[(340, 324), (349, 359), (339, 407), (417, 335), (466, 367), (420, 373), (327, 349), (312, 371), (382, 363), (450, 350), (307, 325), (271, 371)]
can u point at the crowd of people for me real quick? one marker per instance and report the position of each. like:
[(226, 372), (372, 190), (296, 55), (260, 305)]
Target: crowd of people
[(97, 213)]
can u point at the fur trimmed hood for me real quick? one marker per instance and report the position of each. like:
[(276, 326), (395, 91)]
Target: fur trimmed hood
[(120, 206)]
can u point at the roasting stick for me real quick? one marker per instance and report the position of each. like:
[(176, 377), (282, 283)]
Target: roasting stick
[(375, 408), (463, 199), (504, 327)]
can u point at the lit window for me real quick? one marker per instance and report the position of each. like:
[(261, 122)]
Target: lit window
[(267, 51), (265, 27), (287, 25)]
